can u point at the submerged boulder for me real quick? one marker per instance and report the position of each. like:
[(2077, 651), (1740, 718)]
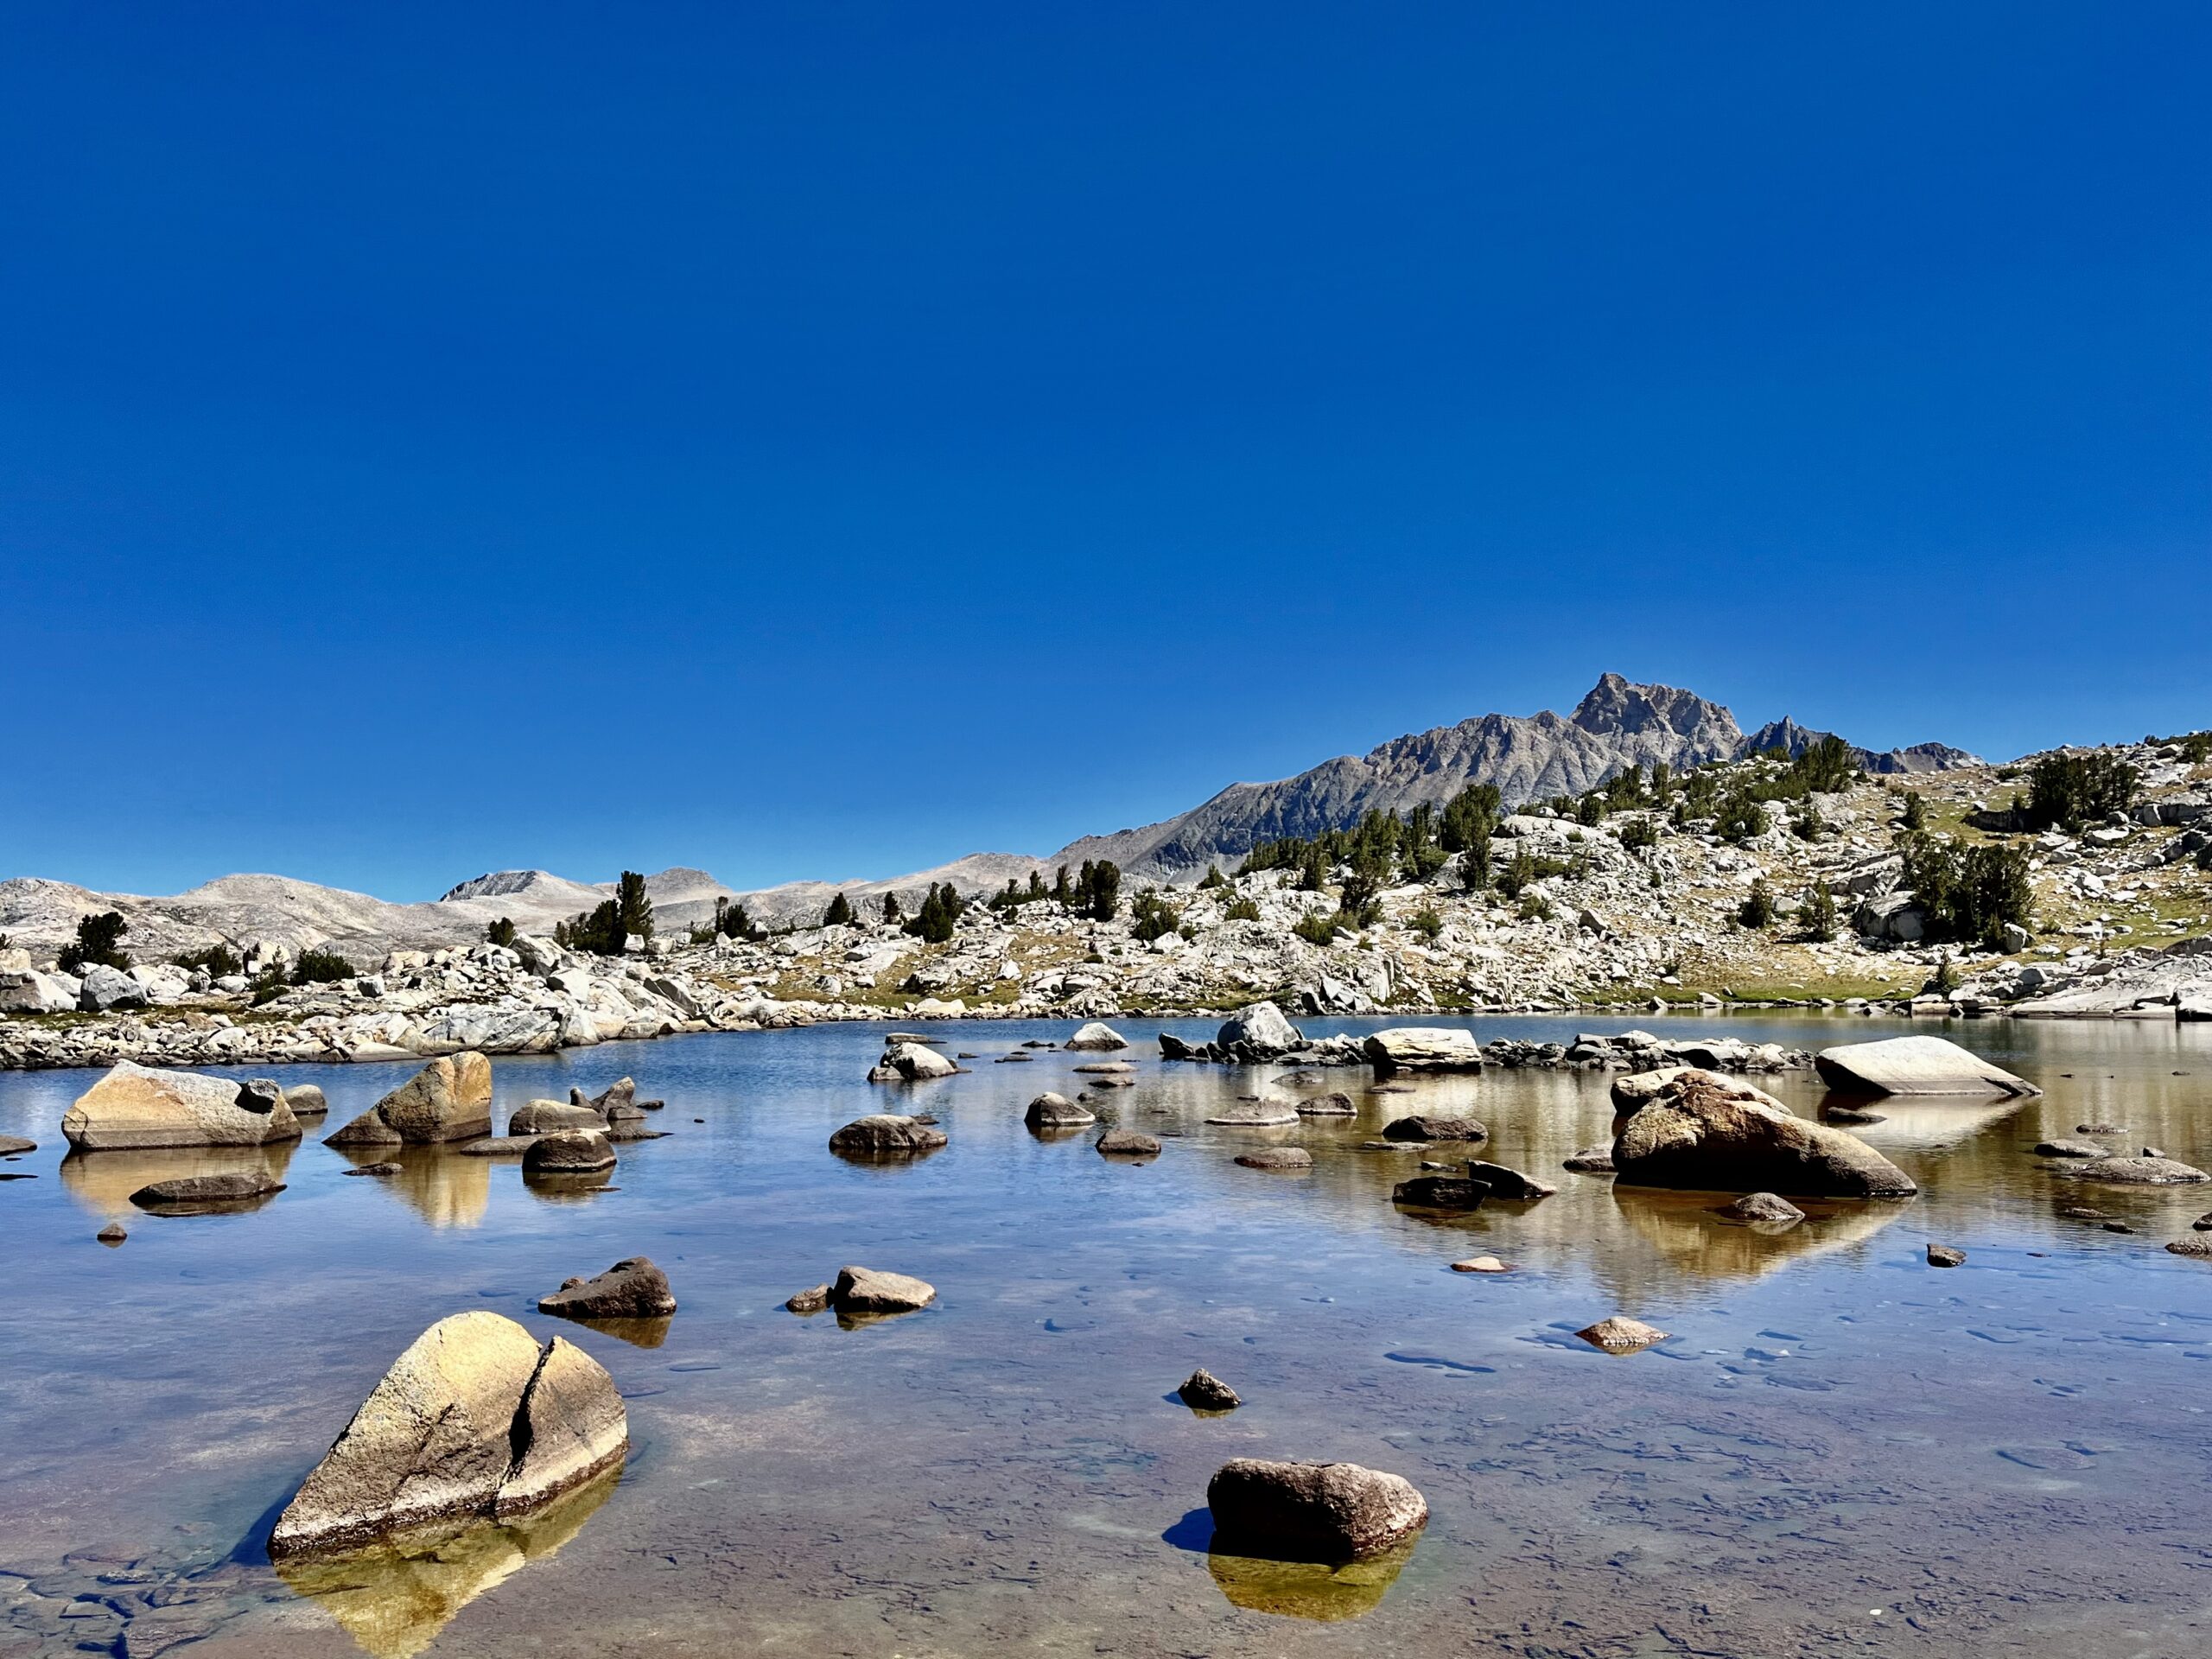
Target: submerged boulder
[(871, 1290), (1705, 1133), (1621, 1335), (473, 1419), (1277, 1158), (1051, 1111), (1265, 1113), (1761, 1207), (1203, 1391), (886, 1134), (1128, 1143), (630, 1289), (1336, 1103), (2136, 1171), (547, 1117), (1509, 1184), (568, 1151), (1097, 1037), (188, 1193), (1423, 1048), (306, 1100), (1311, 1511), (1915, 1066), (449, 1099), (1434, 1128), (1440, 1192), (910, 1063), (140, 1106)]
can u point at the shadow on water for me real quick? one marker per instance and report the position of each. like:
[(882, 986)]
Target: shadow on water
[(394, 1596)]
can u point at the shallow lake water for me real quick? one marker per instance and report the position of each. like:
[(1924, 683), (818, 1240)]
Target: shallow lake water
[(1840, 1448)]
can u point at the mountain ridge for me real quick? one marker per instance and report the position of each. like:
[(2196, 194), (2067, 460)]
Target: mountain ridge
[(1618, 723)]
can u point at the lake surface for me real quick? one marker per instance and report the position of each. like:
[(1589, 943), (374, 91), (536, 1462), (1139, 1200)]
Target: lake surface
[(1840, 1449)]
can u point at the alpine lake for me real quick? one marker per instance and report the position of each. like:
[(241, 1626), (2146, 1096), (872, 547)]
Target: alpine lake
[(1838, 1449)]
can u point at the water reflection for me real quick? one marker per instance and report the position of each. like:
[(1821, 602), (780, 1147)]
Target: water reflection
[(638, 1333), (1312, 1590), (104, 1181), (1691, 1240), (577, 1187), (440, 1184), (394, 1597)]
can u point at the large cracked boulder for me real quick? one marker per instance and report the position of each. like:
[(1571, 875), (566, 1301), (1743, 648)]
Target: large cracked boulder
[(1424, 1127), (449, 1099), (1703, 1133), (871, 1290), (1423, 1048), (1051, 1111), (139, 1106), (549, 1116), (473, 1419), (1915, 1066), (1098, 1038), (1311, 1511), (568, 1151)]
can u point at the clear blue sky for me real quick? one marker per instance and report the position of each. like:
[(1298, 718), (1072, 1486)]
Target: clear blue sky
[(824, 439)]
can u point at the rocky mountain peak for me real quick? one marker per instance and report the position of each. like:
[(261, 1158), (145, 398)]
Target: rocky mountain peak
[(1620, 706)]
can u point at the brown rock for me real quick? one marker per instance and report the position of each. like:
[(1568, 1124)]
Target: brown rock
[(1311, 1511), (630, 1289), (1702, 1131), (1619, 1334)]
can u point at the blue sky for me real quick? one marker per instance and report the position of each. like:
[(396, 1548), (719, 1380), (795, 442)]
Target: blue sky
[(824, 440)]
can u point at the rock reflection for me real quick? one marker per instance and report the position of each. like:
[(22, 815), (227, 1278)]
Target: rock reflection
[(394, 1596), (443, 1187), (1693, 1239), (575, 1188), (1312, 1590), (638, 1333), (104, 1181), (1931, 1123)]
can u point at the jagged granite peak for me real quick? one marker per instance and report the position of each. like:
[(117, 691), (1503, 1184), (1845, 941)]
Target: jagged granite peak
[(1792, 740)]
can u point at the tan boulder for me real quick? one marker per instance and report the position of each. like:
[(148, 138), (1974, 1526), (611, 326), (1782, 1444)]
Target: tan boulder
[(1915, 1066), (139, 1106), (449, 1099), (1703, 1133), (473, 1419)]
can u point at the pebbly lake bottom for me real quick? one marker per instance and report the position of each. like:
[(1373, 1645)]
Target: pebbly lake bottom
[(1840, 1448)]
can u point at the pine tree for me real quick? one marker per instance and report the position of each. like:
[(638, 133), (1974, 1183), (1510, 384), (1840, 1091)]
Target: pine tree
[(840, 912)]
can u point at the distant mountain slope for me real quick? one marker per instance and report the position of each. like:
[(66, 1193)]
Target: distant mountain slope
[(1531, 757)]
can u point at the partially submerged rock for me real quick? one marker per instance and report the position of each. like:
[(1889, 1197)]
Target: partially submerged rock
[(1336, 1103), (2070, 1149), (1942, 1256), (1128, 1143), (1440, 1192), (1203, 1391), (1259, 1031), (1915, 1066), (2136, 1171), (1762, 1206), (1621, 1335), (630, 1289), (1051, 1111), (14, 1146), (1277, 1158), (870, 1290), (812, 1301), (189, 1192), (1423, 1048), (1311, 1511), (571, 1152), (1480, 1264), (2196, 1244), (140, 1106), (1509, 1184), (380, 1172), (910, 1063), (473, 1419), (114, 1233), (549, 1116), (1097, 1037), (1255, 1114), (1702, 1131), (449, 1099), (306, 1100), (1591, 1160), (886, 1134), (1421, 1127)]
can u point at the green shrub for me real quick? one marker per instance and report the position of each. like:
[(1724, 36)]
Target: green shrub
[(219, 960), (97, 939), (2075, 790), (934, 923), (606, 931), (1152, 917), (500, 932), (1213, 877), (1967, 893), (1758, 908), (733, 921), (1427, 923), (1534, 907), (321, 967), (1241, 910), (1817, 913), (1639, 833), (1913, 818), (1318, 928)]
